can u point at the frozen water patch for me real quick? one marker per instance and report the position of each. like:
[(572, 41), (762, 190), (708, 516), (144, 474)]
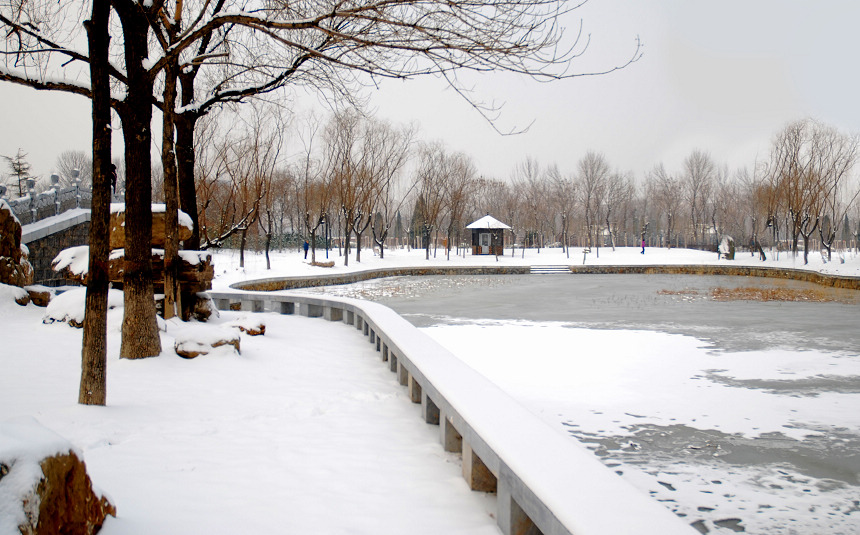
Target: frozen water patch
[(727, 483), (755, 441), (409, 287)]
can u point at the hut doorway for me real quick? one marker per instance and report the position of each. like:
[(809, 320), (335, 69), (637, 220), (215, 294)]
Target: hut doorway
[(485, 239)]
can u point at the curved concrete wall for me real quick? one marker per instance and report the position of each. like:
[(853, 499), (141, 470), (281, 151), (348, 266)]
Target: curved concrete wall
[(288, 283), (545, 481)]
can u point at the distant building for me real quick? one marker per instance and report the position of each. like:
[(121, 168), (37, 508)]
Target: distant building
[(488, 236)]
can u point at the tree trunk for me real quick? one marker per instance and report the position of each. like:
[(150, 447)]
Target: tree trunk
[(348, 233), (172, 300), (242, 241), (140, 336), (185, 174), (93, 388), (268, 239)]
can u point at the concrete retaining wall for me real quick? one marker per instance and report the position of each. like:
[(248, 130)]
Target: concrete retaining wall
[(545, 482), (835, 281), (290, 283)]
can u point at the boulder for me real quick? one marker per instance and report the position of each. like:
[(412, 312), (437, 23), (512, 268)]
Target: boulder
[(202, 307), (15, 269), (117, 226), (39, 295), (66, 501), (44, 485), (14, 293), (250, 326), (193, 341)]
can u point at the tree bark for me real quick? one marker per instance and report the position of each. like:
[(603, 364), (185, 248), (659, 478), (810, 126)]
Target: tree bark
[(172, 300), (185, 123), (140, 336), (93, 387)]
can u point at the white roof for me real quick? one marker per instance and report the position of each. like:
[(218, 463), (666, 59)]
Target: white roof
[(488, 222)]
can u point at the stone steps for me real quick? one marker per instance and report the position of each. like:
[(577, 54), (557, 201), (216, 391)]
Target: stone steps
[(549, 270)]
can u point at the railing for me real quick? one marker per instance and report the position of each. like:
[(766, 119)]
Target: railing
[(37, 206), (545, 482)]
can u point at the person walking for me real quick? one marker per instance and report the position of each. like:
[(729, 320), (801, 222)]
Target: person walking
[(306, 246), (643, 245)]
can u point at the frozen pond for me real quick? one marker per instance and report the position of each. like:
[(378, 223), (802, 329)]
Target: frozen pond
[(739, 415)]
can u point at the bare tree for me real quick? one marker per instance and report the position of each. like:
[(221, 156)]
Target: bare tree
[(808, 166), (528, 180), (592, 177), (564, 193), (836, 156), (459, 187), (432, 175), (665, 193), (616, 197), (698, 174), (71, 160), (322, 44), (244, 161), (390, 150)]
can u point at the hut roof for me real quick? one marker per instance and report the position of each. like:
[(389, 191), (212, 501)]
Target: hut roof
[(488, 222)]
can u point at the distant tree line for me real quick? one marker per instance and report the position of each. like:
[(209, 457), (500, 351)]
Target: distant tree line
[(365, 182)]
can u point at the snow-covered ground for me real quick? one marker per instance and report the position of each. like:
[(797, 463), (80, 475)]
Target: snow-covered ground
[(306, 432)]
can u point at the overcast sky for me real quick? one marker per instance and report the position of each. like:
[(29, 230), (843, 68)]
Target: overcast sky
[(718, 76)]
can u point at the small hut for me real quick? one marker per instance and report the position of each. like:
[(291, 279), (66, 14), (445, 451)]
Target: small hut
[(488, 236)]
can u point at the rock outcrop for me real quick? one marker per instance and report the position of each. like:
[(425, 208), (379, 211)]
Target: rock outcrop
[(44, 486), (195, 340), (64, 502), (15, 269)]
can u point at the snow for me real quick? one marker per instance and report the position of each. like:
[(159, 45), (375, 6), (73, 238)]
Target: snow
[(23, 444), (9, 294), (306, 431), (76, 259), (488, 222), (70, 306)]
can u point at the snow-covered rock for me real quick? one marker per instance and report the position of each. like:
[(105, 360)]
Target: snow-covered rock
[(44, 486), (252, 326), (13, 293), (70, 306), (39, 295), (195, 340)]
